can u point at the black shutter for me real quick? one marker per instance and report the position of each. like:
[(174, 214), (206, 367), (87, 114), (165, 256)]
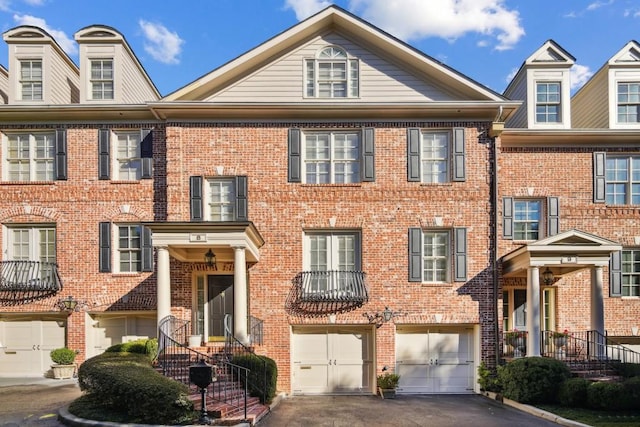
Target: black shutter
[(599, 177), (415, 255), (104, 258), (104, 162), (147, 250), (146, 153), (459, 172), (460, 262), (61, 155), (195, 198), (615, 274), (368, 155), (295, 158), (413, 155), (553, 216), (241, 198), (507, 218)]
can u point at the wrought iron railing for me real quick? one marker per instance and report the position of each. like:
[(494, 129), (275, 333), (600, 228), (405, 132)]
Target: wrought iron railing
[(22, 282), (328, 292), (174, 358), (256, 330)]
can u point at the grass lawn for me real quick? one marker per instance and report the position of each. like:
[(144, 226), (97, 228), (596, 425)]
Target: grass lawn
[(596, 418)]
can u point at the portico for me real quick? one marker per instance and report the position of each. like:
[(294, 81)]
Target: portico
[(548, 260)]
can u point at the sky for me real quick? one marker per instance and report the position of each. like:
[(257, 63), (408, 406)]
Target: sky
[(487, 40)]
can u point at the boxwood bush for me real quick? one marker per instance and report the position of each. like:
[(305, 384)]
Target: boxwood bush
[(126, 384), (573, 392), (141, 346), (257, 365), (533, 379)]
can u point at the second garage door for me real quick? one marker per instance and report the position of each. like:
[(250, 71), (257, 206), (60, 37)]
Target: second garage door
[(435, 360)]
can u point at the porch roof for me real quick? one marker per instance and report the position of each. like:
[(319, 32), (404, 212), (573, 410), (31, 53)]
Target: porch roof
[(189, 241), (563, 254)]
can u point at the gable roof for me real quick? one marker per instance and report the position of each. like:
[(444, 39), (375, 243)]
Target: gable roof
[(332, 18)]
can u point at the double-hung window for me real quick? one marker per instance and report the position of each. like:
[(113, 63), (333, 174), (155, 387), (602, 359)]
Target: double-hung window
[(629, 102), (31, 80), (127, 250), (624, 270), (222, 198), (437, 256), (623, 180), (101, 79), (548, 102), (332, 74), (125, 155), (332, 260), (435, 156), (331, 156), (35, 156), (32, 243), (530, 219)]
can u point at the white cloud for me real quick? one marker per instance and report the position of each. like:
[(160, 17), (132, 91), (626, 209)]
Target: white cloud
[(305, 8), (598, 4), (66, 43), (5, 5), (579, 75), (34, 2), (163, 45), (448, 19), (511, 75)]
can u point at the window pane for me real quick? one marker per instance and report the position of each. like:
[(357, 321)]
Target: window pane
[(222, 198), (526, 219), (435, 256)]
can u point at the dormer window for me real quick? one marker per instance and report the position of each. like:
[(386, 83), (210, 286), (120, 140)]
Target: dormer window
[(548, 102), (629, 102), (31, 80), (101, 79), (332, 75)]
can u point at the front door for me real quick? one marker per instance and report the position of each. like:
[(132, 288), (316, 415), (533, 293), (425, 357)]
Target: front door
[(515, 313), (220, 304)]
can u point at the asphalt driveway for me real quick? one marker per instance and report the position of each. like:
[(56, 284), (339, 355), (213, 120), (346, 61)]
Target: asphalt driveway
[(403, 411)]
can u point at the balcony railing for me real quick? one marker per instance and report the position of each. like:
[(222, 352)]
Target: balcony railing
[(328, 292), (22, 282)]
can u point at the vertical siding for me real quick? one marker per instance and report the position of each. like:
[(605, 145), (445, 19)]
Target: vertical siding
[(590, 106), (380, 80)]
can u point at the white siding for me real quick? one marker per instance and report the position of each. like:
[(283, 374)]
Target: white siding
[(135, 88), (380, 80), (63, 81), (4, 86), (589, 105), (620, 76)]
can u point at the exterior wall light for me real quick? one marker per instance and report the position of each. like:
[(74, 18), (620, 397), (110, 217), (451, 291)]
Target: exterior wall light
[(210, 258), (547, 277)]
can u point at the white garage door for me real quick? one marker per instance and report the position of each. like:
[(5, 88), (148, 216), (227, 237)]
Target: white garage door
[(26, 343), (108, 330), (332, 361), (436, 360)]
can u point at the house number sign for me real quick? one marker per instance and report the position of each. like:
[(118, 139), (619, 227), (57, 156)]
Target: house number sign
[(198, 237), (569, 260)]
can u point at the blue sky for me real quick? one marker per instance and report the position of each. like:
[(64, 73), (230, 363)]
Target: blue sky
[(487, 40)]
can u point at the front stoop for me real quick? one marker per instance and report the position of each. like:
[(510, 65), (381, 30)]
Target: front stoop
[(226, 414)]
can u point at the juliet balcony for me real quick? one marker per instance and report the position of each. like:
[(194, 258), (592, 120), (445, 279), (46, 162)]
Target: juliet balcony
[(22, 282), (318, 293)]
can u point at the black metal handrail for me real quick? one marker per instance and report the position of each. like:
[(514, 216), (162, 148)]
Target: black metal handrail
[(174, 358), (318, 293), (256, 330), (22, 282)]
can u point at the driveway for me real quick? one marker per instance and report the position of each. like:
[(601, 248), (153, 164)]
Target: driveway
[(403, 411)]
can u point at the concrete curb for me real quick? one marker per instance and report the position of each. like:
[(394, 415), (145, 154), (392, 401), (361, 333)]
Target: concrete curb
[(533, 410)]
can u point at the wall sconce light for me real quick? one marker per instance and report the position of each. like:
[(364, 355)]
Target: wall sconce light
[(381, 317), (70, 304), (547, 277), (210, 258)]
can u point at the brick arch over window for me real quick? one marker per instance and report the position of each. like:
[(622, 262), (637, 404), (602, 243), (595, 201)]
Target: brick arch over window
[(126, 213), (17, 213)]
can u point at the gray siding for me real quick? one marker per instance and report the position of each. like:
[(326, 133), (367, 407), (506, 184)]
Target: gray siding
[(135, 88), (380, 80), (590, 106), (518, 92), (4, 86), (63, 81)]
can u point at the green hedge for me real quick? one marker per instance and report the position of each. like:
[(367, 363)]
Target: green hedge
[(127, 384), (141, 346), (533, 379), (257, 365), (573, 393)]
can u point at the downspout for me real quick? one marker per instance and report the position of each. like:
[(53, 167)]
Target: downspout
[(496, 129)]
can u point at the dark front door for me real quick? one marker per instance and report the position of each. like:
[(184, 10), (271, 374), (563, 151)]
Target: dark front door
[(220, 291)]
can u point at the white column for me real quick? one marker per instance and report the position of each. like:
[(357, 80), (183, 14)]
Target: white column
[(533, 311), (597, 301), (163, 284), (240, 295)]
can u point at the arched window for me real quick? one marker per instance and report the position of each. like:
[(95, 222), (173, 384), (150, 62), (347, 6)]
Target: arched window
[(332, 74)]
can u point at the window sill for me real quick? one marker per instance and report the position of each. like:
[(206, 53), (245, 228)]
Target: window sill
[(437, 184), (630, 298), (127, 274), (28, 182), (355, 185), (121, 181), (435, 284)]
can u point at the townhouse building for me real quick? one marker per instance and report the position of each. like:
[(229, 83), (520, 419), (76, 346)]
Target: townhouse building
[(358, 204)]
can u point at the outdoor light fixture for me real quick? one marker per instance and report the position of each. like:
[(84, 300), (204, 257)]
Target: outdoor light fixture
[(70, 304), (547, 276), (381, 317), (210, 258), (201, 374)]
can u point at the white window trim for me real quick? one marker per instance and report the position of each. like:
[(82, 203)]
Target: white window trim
[(628, 183), (90, 79), (32, 148), (615, 77), (623, 274), (332, 159), (448, 159), (542, 230), (350, 88), (559, 103), (116, 251), (34, 240), (19, 79), (306, 247), (448, 257), (114, 141), (207, 197)]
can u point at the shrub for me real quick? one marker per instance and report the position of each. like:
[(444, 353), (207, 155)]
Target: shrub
[(141, 346), (125, 383), (628, 370), (573, 392), (488, 379), (63, 356), (257, 375), (388, 381), (606, 396), (533, 379), (632, 392)]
